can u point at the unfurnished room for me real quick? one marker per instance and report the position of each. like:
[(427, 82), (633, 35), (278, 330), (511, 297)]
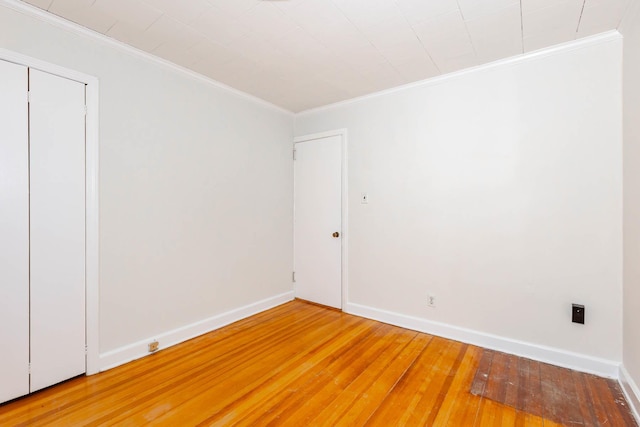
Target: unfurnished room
[(320, 213)]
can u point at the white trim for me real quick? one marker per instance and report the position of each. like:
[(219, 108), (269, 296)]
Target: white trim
[(320, 135), (92, 256), (512, 60), (554, 356), (631, 392), (137, 350), (92, 206), (28, 61), (345, 204), (60, 22)]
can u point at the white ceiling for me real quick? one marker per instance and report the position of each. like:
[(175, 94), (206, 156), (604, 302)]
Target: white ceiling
[(300, 54)]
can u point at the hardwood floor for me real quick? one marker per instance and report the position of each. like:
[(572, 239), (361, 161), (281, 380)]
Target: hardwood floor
[(305, 365)]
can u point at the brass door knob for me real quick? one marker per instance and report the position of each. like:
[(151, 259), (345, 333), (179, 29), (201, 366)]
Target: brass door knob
[(336, 234)]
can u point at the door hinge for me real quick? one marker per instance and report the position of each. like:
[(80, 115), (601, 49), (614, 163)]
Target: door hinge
[(293, 277), (85, 110), (294, 154), (28, 97), (29, 368), (86, 350)]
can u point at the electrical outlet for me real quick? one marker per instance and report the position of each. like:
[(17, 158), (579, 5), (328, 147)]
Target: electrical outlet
[(153, 346), (431, 301), (577, 313)]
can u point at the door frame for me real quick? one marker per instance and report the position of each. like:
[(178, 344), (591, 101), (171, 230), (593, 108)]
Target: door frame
[(92, 230), (344, 242)]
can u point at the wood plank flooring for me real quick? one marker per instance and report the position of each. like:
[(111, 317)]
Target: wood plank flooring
[(557, 394), (300, 364)]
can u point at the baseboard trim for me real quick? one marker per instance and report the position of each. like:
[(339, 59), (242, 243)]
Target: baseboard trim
[(631, 392), (554, 356), (137, 350)]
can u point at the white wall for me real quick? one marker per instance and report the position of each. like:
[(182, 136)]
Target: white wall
[(195, 187), (631, 32), (499, 191)]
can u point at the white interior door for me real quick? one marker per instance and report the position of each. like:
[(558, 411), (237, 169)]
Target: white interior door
[(14, 232), (57, 220), (318, 223)]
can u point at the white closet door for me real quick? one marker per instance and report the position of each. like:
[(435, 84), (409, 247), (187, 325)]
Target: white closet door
[(57, 144), (14, 232)]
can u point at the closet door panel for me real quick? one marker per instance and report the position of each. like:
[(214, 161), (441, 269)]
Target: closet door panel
[(57, 153), (14, 232)]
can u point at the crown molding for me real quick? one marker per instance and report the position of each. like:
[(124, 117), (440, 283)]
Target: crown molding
[(50, 18), (60, 22), (542, 53)]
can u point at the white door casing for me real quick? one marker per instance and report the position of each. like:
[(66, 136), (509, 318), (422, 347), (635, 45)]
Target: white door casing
[(318, 215), (57, 224), (14, 232), (91, 174)]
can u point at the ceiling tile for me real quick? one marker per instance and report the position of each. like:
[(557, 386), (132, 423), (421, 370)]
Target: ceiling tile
[(234, 8), (546, 39), (80, 11), (214, 54), (498, 35), (447, 40), (472, 9), (448, 65), (341, 38), (183, 11), (382, 75), (403, 51), (239, 73), (363, 57), (529, 6), (444, 49), (446, 26), (415, 68), (317, 16), (561, 18), (300, 44), (253, 47), (600, 15), (270, 88), (135, 13), (42, 4), (178, 49), (389, 31), (220, 27), (70, 4), (366, 13), (299, 96), (267, 78), (126, 33), (616, 6), (288, 67), (344, 77), (288, 5), (267, 20), (420, 10), (158, 33)]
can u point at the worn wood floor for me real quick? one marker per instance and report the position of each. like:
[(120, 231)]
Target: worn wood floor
[(305, 365)]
